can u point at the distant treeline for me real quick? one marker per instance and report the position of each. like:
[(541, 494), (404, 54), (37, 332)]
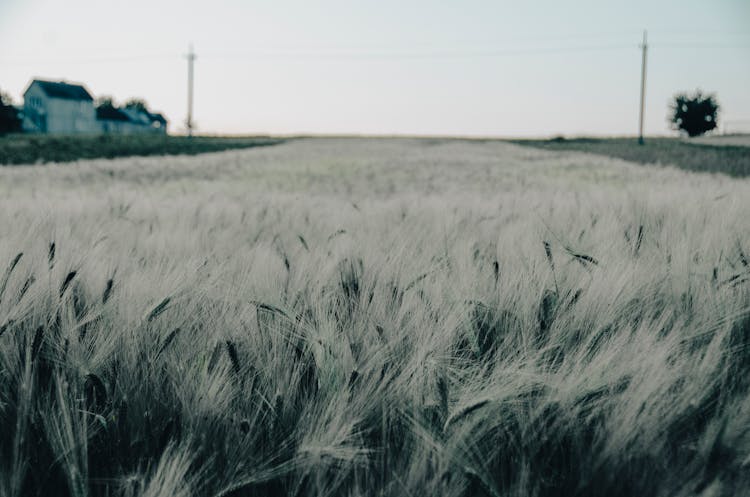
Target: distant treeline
[(34, 149), (731, 160)]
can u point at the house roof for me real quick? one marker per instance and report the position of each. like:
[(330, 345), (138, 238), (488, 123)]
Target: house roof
[(109, 113), (156, 116), (61, 89), (138, 116), (128, 114)]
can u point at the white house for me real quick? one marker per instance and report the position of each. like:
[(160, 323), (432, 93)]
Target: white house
[(58, 108)]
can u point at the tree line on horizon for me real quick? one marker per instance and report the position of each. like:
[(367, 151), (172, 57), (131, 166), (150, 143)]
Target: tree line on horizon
[(690, 114)]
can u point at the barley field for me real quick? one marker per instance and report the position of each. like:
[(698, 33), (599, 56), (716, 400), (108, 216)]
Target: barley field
[(374, 317)]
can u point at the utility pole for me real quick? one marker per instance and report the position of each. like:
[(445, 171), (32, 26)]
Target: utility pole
[(644, 48), (189, 121)]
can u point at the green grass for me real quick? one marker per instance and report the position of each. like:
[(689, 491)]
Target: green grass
[(32, 149), (731, 160), (448, 318)]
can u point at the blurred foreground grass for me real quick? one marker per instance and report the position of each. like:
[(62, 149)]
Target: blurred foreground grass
[(374, 317)]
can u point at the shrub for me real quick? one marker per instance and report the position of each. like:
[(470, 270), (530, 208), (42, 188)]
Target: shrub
[(10, 120), (694, 114)]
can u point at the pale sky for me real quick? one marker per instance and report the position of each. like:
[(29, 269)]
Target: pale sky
[(469, 67)]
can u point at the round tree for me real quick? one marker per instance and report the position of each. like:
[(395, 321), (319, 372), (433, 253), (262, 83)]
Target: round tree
[(694, 114)]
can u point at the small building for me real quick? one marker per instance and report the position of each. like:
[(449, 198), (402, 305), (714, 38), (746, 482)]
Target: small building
[(112, 120), (158, 123), (144, 121), (59, 107), (130, 120)]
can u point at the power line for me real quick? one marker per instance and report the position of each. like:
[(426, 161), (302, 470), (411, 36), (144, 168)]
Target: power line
[(443, 54), (346, 54), (90, 60), (701, 45)]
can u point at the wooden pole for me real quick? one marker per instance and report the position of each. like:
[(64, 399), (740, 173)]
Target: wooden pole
[(189, 122), (644, 48)]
